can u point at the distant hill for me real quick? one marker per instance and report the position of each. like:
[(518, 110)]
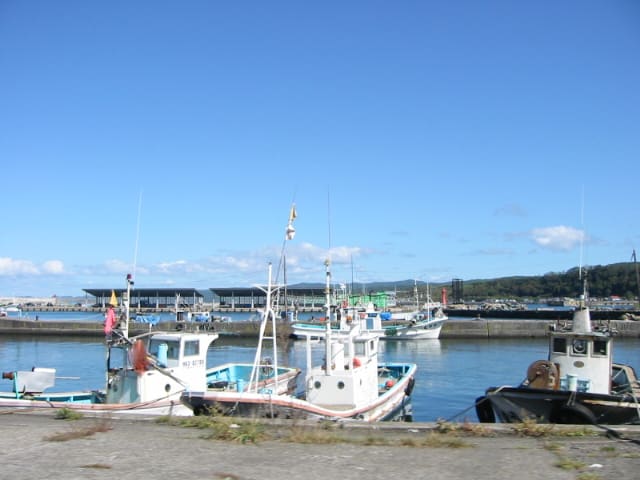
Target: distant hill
[(618, 279), (604, 281)]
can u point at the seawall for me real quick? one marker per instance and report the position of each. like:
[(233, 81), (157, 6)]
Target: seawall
[(481, 328)]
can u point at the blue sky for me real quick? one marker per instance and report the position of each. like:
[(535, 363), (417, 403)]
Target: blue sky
[(423, 140)]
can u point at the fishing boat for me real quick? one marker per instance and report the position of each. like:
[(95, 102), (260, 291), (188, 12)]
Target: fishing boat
[(422, 323), (144, 374), (10, 311), (349, 384), (342, 320), (577, 384)]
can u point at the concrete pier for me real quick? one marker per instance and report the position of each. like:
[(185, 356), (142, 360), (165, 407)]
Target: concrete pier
[(482, 328), (35, 446)]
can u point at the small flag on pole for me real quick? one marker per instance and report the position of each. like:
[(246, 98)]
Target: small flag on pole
[(114, 300), (291, 232)]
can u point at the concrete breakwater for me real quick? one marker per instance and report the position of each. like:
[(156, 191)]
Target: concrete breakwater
[(540, 314), (481, 328)]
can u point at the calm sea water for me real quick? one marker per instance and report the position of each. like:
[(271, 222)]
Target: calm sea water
[(451, 372)]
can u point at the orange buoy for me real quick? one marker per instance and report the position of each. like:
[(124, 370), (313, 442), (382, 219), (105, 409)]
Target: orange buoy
[(389, 383), (139, 357), (356, 362)]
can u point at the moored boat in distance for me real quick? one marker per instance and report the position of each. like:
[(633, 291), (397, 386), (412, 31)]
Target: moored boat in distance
[(422, 323), (577, 384), (144, 374)]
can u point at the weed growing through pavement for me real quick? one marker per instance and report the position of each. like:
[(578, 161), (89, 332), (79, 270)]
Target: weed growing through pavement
[(588, 476), (569, 464), (80, 432), (67, 414), (221, 428)]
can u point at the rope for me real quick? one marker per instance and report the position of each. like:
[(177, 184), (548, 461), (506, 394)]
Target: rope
[(475, 404)]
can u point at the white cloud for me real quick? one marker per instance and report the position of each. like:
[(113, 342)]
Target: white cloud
[(55, 267), (10, 266), (559, 238), (117, 266)]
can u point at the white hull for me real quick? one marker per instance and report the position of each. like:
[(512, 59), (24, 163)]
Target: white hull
[(420, 331), (163, 407), (288, 406)]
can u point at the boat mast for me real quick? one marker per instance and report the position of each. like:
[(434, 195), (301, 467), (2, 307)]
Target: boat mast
[(633, 256), (267, 315), (327, 339), (126, 302)]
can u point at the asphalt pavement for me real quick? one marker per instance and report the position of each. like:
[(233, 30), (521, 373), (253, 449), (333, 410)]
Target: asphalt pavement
[(39, 446)]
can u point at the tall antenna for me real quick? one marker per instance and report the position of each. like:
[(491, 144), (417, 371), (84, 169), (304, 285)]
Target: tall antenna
[(635, 263), (135, 253), (581, 234), (327, 291), (329, 222), (585, 293)]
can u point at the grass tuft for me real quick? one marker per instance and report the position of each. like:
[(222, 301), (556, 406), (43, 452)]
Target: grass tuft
[(80, 432), (99, 466), (569, 464), (68, 414)]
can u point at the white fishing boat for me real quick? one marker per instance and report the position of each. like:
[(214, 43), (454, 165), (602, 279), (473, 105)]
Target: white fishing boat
[(350, 383), (10, 311), (577, 384), (420, 326), (421, 323), (341, 322), (144, 374)]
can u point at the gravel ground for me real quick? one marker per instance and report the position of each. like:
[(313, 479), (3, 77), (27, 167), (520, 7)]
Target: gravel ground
[(38, 446)]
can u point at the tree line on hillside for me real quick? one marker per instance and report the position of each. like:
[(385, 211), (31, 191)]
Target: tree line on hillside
[(619, 279)]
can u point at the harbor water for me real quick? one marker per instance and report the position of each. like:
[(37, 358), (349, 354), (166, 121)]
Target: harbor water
[(451, 372)]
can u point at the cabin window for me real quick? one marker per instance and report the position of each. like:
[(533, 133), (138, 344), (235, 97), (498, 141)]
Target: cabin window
[(173, 348), (600, 347), (191, 348), (560, 345), (579, 346)]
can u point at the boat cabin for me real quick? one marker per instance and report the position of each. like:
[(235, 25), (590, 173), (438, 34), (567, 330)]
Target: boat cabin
[(157, 365), (582, 357), (346, 380), (583, 361)]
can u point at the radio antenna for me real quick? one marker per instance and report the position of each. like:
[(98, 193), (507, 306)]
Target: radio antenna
[(135, 253)]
